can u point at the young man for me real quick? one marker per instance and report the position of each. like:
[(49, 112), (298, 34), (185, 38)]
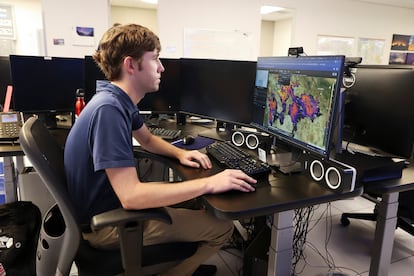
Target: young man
[(99, 160)]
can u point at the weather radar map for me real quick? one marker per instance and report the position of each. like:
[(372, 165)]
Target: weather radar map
[(299, 106)]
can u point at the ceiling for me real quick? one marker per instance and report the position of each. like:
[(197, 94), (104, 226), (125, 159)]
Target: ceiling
[(272, 16), (396, 3), (139, 4)]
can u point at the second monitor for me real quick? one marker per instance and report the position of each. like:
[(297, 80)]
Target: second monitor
[(218, 89)]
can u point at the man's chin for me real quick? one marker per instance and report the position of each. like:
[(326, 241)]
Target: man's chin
[(154, 90)]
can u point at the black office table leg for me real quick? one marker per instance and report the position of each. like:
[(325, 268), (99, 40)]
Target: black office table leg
[(384, 235), (280, 250), (10, 187)]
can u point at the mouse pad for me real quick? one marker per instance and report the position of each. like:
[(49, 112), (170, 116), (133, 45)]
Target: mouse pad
[(199, 143)]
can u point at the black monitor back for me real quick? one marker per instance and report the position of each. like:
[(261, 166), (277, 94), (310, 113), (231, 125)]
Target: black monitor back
[(379, 109), (5, 77), (45, 84), (165, 100), (218, 89)]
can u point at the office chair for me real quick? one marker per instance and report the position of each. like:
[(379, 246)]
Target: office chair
[(405, 212), (60, 241)]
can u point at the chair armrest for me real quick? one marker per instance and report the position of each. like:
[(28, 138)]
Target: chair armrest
[(120, 216)]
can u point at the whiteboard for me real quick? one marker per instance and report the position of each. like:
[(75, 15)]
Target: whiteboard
[(218, 44)]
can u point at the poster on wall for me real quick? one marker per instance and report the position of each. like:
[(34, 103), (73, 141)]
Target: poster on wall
[(400, 42), (397, 58), (335, 45), (401, 46), (6, 22), (83, 36), (371, 50), (410, 59)]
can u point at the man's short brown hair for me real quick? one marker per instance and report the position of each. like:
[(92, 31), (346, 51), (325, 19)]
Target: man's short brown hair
[(120, 42)]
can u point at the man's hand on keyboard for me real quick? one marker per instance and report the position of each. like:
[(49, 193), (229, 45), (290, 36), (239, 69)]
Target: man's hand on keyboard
[(230, 180), (195, 159)]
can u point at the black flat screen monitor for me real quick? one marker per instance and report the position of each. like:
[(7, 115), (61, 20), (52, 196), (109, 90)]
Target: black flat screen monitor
[(45, 84), (379, 108), (92, 74), (218, 89), (5, 78), (165, 100), (296, 100)]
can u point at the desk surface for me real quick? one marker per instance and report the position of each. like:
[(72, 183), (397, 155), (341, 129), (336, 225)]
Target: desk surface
[(276, 194), (405, 183), (9, 149)]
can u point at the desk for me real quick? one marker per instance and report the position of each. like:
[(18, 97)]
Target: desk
[(387, 218), (8, 151), (278, 195)]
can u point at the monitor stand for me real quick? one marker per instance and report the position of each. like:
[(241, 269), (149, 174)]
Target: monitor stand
[(285, 161), (222, 131)]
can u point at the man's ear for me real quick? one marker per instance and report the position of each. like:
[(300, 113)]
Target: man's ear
[(130, 64)]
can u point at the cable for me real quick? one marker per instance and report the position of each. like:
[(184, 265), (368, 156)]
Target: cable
[(301, 221), (326, 255)]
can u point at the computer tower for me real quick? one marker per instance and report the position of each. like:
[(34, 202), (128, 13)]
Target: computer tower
[(31, 188)]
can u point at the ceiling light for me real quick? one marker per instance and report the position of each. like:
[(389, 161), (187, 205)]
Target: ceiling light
[(269, 9)]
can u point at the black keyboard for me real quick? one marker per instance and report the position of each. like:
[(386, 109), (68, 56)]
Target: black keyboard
[(232, 157), (168, 134)]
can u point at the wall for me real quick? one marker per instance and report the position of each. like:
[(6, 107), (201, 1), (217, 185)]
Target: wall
[(282, 37), (350, 18), (266, 38), (235, 22), (125, 15), (29, 27), (61, 17)]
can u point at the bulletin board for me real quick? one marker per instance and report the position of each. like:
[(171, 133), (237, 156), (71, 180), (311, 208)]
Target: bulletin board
[(7, 30), (218, 44)]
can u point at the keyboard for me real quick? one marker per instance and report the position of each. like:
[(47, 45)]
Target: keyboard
[(232, 157), (168, 134)]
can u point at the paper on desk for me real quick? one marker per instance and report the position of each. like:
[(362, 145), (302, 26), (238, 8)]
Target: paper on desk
[(135, 142)]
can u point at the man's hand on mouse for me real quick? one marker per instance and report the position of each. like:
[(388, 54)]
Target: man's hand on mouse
[(195, 159)]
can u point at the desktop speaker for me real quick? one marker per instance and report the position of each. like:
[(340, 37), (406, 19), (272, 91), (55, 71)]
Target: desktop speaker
[(332, 174), (251, 140)]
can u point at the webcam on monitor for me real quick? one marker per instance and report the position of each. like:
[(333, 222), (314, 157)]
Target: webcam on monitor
[(295, 51)]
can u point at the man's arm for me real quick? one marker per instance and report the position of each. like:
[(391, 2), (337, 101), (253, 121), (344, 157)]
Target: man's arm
[(136, 195), (159, 146)]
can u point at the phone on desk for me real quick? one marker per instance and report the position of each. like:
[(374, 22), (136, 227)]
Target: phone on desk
[(10, 124)]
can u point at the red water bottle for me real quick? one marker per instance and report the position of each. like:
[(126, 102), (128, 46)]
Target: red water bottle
[(80, 101)]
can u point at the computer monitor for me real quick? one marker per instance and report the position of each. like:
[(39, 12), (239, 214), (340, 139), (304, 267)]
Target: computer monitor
[(296, 99), (165, 100), (5, 78), (379, 108), (221, 90), (45, 84), (92, 74)]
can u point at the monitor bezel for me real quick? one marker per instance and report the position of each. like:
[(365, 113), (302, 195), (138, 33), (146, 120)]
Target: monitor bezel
[(330, 130), (68, 106), (226, 120)]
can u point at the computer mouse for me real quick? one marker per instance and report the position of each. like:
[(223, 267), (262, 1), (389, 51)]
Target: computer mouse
[(188, 140)]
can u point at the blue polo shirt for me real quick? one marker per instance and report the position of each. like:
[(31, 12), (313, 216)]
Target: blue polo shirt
[(100, 138)]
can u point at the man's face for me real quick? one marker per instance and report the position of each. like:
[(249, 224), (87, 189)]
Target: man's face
[(150, 69)]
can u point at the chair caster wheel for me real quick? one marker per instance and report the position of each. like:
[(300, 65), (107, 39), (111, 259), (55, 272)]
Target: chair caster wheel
[(344, 220)]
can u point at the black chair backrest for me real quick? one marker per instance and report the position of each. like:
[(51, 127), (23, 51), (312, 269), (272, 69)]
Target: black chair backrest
[(46, 156)]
